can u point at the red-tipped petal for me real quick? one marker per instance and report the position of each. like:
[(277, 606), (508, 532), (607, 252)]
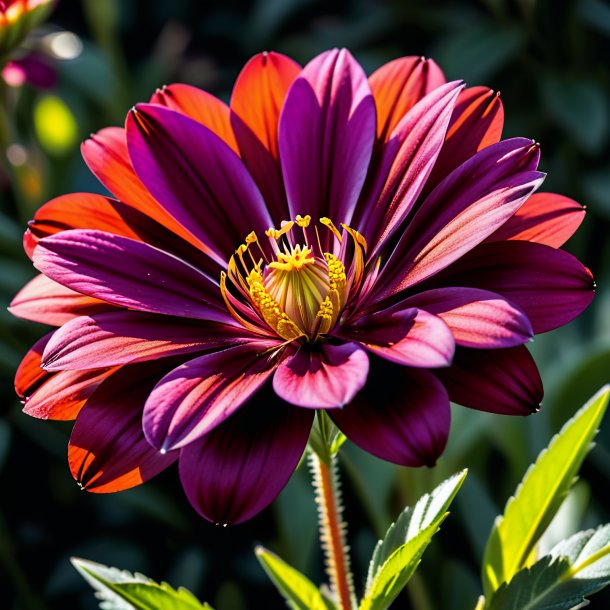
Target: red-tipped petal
[(235, 471), (30, 374), (328, 377)]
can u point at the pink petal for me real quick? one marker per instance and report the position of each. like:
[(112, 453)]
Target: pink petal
[(549, 285), (405, 163), (408, 426), (126, 337), (477, 318), (129, 273), (196, 177), (197, 396), (408, 336), (238, 469), (544, 218), (504, 381), (326, 136), (328, 377), (107, 450)]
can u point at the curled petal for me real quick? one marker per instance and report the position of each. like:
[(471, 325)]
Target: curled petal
[(504, 381), (197, 396), (322, 379), (107, 450), (545, 218), (30, 374), (477, 318), (409, 426), (237, 469)]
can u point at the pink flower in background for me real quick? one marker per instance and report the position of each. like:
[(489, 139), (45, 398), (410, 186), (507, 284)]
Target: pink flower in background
[(258, 259)]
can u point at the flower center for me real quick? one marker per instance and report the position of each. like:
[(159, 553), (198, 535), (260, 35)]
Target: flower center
[(296, 280)]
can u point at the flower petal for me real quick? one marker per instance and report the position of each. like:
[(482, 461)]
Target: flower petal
[(409, 427), (322, 379), (30, 375), (405, 163), (127, 337), (258, 96), (107, 450), (199, 106), (551, 286), (504, 381), (398, 85), (45, 301), (238, 469), (469, 205), (326, 136), (197, 396), (196, 177), (128, 273), (545, 218), (410, 336), (477, 318)]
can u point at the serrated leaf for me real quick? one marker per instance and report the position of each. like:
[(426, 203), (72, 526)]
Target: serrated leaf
[(539, 495), (574, 569), (122, 590), (297, 589), (397, 556), (428, 509)]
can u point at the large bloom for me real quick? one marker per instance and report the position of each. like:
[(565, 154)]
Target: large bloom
[(257, 258)]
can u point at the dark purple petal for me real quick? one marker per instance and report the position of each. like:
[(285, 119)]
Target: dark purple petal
[(477, 318), (409, 426), (129, 273), (322, 377), (549, 285), (469, 205), (196, 177), (197, 396), (107, 450), (405, 163), (408, 336), (326, 136), (504, 381), (127, 337), (238, 469)]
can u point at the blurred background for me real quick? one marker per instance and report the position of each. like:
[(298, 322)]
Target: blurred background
[(549, 59)]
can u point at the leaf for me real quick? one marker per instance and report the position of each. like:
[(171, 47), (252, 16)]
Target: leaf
[(575, 568), (539, 495), (399, 553), (121, 590), (297, 589)]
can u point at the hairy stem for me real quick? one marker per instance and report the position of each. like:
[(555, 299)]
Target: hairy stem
[(332, 529)]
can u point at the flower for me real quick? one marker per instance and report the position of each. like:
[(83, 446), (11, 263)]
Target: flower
[(17, 19), (258, 258)]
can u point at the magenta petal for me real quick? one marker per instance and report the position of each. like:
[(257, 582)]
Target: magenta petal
[(197, 396), (504, 381), (239, 468), (409, 336), (326, 136), (108, 451), (328, 377), (196, 177), (409, 426), (129, 273), (477, 318), (549, 285), (127, 337)]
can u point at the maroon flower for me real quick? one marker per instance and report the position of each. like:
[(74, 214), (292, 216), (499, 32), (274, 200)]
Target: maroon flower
[(258, 257)]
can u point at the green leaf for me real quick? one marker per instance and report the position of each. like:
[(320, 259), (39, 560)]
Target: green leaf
[(539, 495), (399, 553), (121, 590), (297, 589), (575, 568)]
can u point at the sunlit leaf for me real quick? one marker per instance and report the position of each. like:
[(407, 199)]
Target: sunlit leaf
[(55, 125), (297, 589), (539, 496)]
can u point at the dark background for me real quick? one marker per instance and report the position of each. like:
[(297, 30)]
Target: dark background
[(551, 63)]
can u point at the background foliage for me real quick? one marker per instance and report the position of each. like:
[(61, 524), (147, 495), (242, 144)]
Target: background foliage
[(545, 56)]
